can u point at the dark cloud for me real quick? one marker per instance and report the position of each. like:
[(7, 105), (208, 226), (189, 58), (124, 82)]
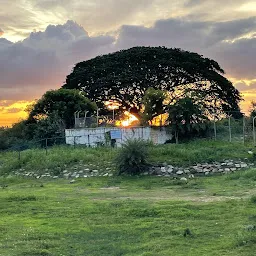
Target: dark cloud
[(222, 41), (238, 58), (4, 42), (42, 61)]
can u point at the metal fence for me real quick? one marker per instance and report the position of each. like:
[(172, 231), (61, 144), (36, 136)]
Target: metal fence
[(227, 129), (234, 130)]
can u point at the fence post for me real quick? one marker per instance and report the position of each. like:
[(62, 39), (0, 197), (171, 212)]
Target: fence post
[(253, 128), (229, 126), (97, 118), (46, 146), (243, 130), (215, 129)]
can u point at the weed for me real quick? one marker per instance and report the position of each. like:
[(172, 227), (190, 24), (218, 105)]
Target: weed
[(133, 157)]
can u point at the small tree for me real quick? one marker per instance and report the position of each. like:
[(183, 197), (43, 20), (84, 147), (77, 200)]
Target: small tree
[(153, 102), (186, 117), (62, 103)]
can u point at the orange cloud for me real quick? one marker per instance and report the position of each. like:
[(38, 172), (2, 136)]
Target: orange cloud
[(12, 112)]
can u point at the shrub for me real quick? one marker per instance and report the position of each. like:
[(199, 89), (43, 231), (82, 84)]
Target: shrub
[(132, 159), (253, 199)]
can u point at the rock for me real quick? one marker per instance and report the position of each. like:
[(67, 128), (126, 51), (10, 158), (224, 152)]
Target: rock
[(244, 165), (237, 165), (184, 179), (80, 172), (191, 176), (207, 173), (186, 171), (163, 169), (72, 181), (110, 175), (169, 170), (85, 176), (77, 176), (233, 169), (250, 152), (179, 172), (55, 177), (105, 175), (95, 171), (227, 170)]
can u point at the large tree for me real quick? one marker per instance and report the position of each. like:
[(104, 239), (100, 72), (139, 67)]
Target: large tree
[(125, 76), (62, 104)]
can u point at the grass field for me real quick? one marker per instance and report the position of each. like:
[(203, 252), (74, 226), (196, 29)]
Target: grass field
[(61, 157), (128, 215)]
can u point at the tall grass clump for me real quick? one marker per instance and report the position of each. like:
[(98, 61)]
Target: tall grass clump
[(132, 159)]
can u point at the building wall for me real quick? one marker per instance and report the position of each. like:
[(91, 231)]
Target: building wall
[(95, 136)]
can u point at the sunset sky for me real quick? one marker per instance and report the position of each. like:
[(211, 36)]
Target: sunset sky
[(41, 40)]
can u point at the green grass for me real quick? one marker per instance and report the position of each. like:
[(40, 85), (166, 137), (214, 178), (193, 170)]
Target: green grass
[(60, 157), (128, 216)]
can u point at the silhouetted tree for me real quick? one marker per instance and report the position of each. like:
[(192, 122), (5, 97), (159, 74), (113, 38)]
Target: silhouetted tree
[(62, 104), (126, 75)]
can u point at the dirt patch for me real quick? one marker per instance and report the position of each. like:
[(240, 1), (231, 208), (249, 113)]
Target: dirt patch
[(110, 188)]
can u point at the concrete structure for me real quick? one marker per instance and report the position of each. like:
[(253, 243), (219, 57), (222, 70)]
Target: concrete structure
[(115, 135)]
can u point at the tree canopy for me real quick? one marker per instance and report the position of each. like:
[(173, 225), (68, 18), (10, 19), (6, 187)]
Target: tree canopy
[(126, 75), (62, 104), (187, 117)]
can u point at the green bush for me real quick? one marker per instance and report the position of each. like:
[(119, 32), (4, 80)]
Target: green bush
[(132, 159), (253, 199)]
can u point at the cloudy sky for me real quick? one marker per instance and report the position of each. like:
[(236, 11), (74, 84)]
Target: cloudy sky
[(41, 40)]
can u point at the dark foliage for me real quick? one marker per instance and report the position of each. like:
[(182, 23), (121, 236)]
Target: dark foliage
[(63, 104), (126, 75)]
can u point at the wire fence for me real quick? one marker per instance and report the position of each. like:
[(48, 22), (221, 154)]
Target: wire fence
[(234, 130), (227, 129)]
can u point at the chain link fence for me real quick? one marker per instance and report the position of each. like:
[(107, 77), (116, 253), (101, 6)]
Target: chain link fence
[(228, 129), (234, 130)]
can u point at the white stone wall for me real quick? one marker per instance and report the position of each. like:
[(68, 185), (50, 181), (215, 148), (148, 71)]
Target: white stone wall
[(93, 136)]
